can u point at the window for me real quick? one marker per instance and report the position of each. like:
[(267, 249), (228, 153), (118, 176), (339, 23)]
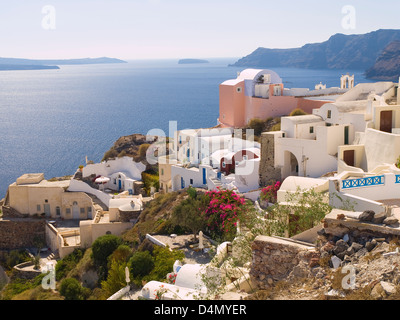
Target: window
[(82, 210), (223, 164), (162, 172), (58, 211), (245, 157), (311, 129), (68, 211), (46, 201), (75, 203), (89, 210), (239, 90), (329, 115), (38, 208), (191, 181)]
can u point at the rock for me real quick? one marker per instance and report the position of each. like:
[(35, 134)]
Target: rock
[(341, 216), (356, 246), (327, 247), (388, 287), (336, 262), (379, 217), (370, 245), (377, 292), (340, 247), (367, 215), (334, 294), (390, 221), (361, 252)]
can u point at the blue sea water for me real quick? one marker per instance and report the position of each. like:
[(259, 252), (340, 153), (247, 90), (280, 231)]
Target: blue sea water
[(50, 120)]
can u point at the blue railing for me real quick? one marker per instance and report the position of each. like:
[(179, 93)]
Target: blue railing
[(397, 178), (365, 182)]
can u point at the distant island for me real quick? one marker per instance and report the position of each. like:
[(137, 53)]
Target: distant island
[(30, 64), (192, 61), (340, 51), (9, 67)]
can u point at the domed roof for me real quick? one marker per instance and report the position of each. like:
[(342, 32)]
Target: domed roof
[(254, 74)]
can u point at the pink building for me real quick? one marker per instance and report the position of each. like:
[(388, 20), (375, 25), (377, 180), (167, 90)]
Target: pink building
[(257, 93)]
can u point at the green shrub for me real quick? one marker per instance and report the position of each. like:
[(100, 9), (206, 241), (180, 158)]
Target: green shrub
[(397, 164), (164, 260), (121, 254), (103, 247), (141, 264), (150, 180), (257, 125), (68, 263), (71, 289), (297, 112)]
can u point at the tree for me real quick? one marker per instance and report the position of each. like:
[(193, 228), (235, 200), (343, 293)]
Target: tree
[(301, 210), (141, 264), (116, 278), (71, 289), (164, 260), (187, 214), (223, 211), (103, 247)]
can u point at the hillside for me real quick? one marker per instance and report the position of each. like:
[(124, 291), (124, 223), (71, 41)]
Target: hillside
[(338, 52), (387, 66)]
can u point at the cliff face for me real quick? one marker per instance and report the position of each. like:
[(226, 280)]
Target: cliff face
[(387, 66), (339, 52)]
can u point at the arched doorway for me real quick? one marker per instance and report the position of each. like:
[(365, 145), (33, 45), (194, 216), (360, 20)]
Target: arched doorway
[(291, 165)]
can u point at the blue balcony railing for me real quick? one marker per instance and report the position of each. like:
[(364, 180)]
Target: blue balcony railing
[(364, 182), (397, 178)]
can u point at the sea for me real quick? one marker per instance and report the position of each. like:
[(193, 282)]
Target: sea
[(51, 120)]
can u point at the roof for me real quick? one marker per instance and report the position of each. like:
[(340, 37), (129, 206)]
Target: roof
[(292, 183), (363, 90), (232, 82), (253, 74), (310, 118)]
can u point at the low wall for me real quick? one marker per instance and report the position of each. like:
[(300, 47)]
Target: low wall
[(80, 186), (25, 271), (274, 258)]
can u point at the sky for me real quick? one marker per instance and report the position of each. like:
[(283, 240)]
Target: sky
[(170, 29)]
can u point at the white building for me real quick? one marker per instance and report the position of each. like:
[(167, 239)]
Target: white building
[(345, 133)]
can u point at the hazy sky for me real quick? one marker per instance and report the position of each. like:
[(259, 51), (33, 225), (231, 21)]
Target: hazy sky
[(141, 29)]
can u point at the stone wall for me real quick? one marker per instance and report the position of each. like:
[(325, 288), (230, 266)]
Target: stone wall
[(21, 233), (274, 259), (129, 215), (267, 170)]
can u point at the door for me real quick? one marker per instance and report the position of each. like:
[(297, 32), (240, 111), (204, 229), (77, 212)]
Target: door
[(204, 176), (119, 184), (75, 211), (348, 157), (346, 135), (386, 121), (47, 209)]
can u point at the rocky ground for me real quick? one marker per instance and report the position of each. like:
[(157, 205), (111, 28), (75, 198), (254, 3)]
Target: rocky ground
[(356, 266)]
